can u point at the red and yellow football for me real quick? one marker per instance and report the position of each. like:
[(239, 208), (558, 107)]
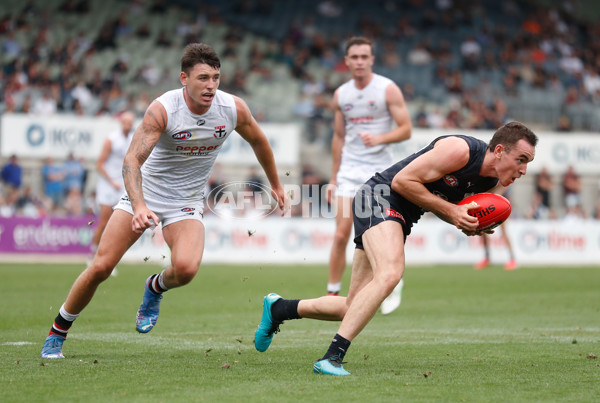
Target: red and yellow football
[(493, 209)]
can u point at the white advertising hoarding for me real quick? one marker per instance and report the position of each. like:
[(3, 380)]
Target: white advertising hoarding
[(275, 240), (57, 136)]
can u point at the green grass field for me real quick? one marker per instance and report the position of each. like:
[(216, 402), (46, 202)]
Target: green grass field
[(460, 335)]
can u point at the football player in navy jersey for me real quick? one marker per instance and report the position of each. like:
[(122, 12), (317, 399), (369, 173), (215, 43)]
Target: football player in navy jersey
[(385, 209)]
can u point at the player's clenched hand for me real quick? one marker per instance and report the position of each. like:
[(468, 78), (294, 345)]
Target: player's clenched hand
[(368, 139), (143, 218), (283, 201), (465, 222)]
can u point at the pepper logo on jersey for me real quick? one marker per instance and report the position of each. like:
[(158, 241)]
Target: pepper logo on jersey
[(196, 150), (182, 136), (451, 180), (219, 132), (348, 107)]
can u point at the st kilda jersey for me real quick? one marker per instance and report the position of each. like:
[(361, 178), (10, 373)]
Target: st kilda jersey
[(180, 163), (452, 187)]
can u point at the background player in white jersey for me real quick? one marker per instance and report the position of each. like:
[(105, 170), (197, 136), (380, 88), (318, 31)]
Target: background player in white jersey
[(366, 108), (165, 173), (110, 186)]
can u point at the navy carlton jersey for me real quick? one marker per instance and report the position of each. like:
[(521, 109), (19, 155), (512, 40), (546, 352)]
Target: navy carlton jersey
[(452, 187)]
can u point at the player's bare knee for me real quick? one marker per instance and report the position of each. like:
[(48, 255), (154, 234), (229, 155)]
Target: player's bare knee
[(98, 272), (185, 272), (390, 280), (340, 238)]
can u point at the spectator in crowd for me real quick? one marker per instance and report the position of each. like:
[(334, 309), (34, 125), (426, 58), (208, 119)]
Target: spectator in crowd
[(420, 118), (419, 55), (543, 186), (574, 213), (53, 176), (12, 172), (74, 177), (564, 124), (596, 212), (571, 184), (46, 105), (390, 58), (537, 210), (29, 204), (255, 181)]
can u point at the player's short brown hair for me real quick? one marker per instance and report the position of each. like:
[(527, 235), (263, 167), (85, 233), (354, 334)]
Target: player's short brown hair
[(509, 135), (199, 53), (358, 40)]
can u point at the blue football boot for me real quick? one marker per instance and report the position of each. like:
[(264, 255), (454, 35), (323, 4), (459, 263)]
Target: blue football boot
[(147, 315), (330, 366), (267, 327), (53, 347)]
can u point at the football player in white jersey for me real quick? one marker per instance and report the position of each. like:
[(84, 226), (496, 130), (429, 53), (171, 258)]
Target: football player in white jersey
[(370, 114), (165, 173), (110, 187)]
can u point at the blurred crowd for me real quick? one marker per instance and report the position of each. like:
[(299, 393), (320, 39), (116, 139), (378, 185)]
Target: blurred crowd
[(62, 194), (471, 83)]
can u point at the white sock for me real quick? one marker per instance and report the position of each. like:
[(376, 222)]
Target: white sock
[(160, 280), (66, 315), (334, 287)]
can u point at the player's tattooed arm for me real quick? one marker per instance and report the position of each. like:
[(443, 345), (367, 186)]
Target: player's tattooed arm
[(144, 139)]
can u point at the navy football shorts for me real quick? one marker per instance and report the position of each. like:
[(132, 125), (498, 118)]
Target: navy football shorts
[(374, 204)]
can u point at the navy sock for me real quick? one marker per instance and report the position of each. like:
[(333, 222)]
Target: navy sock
[(284, 309), (338, 347)]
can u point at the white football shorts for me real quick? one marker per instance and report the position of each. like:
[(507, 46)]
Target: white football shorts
[(351, 177), (167, 212), (106, 195)]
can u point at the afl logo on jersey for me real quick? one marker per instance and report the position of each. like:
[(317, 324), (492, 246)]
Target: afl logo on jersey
[(201, 122), (450, 180), (348, 107), (182, 136), (219, 132)]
